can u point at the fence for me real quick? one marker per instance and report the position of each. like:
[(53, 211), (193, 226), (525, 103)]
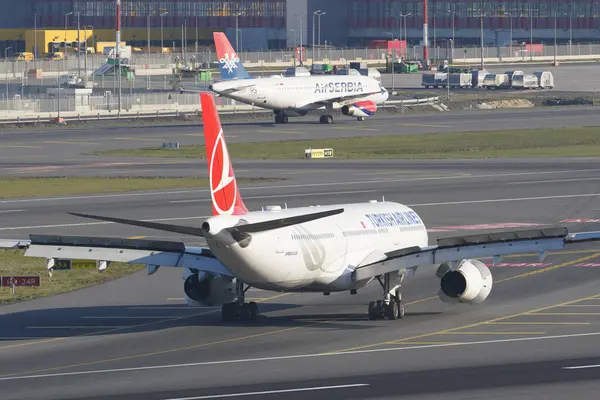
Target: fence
[(156, 61), (142, 102)]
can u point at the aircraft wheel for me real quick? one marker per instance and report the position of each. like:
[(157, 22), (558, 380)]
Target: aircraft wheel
[(373, 311), (360, 118), (401, 309), (228, 312), (253, 311), (246, 312), (392, 310)]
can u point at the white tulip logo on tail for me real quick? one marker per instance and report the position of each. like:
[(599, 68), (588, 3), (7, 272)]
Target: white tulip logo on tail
[(222, 182)]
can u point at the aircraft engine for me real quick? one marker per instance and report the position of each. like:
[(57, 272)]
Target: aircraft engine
[(470, 282), (360, 109), (209, 289)]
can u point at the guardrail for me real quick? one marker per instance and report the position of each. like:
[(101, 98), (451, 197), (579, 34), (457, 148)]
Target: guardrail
[(182, 112)]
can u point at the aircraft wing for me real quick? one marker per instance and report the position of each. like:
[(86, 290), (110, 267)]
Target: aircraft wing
[(458, 248), (106, 249), (341, 100)]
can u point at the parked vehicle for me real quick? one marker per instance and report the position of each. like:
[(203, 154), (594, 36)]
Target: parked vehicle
[(496, 81)]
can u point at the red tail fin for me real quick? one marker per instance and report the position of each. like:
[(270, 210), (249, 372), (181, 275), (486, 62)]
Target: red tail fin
[(226, 198)]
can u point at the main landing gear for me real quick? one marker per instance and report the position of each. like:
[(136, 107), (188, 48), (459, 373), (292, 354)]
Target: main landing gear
[(281, 118), (239, 309), (392, 305), (326, 119)]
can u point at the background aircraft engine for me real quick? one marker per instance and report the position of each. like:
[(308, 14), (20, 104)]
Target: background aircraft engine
[(360, 109), (470, 282), (209, 289)]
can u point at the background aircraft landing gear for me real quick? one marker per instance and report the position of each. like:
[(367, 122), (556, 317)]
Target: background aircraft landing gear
[(392, 305), (326, 119), (360, 118), (281, 118), (239, 309)]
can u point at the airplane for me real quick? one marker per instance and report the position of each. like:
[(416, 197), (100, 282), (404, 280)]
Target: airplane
[(315, 249), (357, 95)]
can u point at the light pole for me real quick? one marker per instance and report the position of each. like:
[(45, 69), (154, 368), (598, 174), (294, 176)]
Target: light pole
[(511, 33), (392, 63), (319, 42), (405, 31), (241, 39), (66, 19), (148, 29), (555, 20), (313, 34), (453, 12), (6, 68), (301, 51), (481, 23), (78, 48), (161, 31), (85, 54), (237, 15), (530, 32)]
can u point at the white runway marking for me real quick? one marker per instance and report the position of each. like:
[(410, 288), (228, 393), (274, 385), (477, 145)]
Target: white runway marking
[(220, 396), (582, 367), (279, 196), (566, 196), (554, 181), (10, 211), (167, 192), (292, 357)]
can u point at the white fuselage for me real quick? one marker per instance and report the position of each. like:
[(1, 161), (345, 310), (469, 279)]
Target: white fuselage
[(302, 93), (319, 255)]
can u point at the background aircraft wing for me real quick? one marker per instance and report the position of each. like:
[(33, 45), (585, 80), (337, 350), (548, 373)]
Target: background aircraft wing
[(132, 251), (475, 246)]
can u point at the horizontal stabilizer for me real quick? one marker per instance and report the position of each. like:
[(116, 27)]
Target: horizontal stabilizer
[(283, 222), (186, 230)]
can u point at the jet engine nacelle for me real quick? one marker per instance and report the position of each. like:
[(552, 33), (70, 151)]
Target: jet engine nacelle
[(360, 109), (209, 289), (470, 282)]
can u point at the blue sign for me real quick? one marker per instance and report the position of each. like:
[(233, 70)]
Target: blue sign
[(404, 218), (339, 87)]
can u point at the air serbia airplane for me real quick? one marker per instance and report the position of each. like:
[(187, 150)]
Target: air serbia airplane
[(332, 248), (357, 95)]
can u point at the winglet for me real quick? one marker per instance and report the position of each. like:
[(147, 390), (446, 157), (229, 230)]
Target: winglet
[(229, 63), (224, 191)]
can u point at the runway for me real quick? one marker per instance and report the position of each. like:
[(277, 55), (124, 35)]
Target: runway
[(65, 152), (133, 338)]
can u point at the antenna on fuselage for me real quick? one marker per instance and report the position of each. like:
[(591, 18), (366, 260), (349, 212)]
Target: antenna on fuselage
[(285, 205), (383, 199)]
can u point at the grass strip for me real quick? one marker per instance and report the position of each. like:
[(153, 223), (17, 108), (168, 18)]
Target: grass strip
[(551, 142), (13, 263), (61, 186)]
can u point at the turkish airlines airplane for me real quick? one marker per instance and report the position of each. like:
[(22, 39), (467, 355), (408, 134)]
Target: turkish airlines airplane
[(329, 248), (357, 95)]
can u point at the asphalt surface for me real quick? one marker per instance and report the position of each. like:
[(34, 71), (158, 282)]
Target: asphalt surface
[(63, 151), (133, 338)]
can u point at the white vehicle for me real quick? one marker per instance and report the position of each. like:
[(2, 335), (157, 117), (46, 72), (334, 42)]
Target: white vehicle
[(333, 248), (357, 96)]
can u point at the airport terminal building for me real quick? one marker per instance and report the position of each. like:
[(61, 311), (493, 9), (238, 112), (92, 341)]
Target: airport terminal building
[(276, 24)]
